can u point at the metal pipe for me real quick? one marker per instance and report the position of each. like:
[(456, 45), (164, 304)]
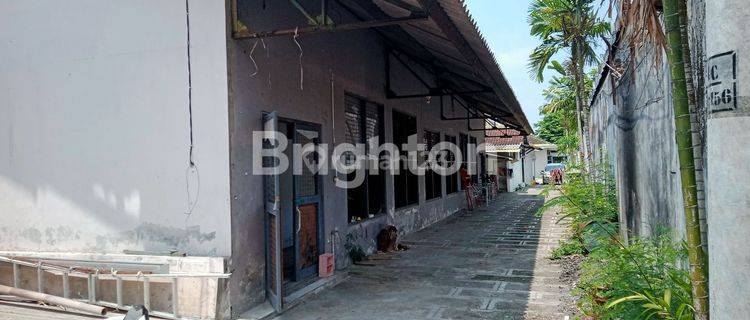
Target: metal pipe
[(40, 278), (241, 34), (174, 296), (435, 93), (66, 285), (147, 293), (50, 299), (304, 12), (118, 291), (16, 275), (60, 269), (92, 288), (324, 11)]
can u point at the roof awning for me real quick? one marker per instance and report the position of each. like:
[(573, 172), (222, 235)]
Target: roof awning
[(510, 141), (435, 35)]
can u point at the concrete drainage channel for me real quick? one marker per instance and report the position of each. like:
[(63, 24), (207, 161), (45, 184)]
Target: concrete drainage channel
[(503, 278)]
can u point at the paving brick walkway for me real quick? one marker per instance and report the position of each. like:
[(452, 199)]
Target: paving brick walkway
[(487, 264)]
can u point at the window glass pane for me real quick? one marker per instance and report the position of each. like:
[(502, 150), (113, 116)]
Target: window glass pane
[(306, 183), (462, 143), (451, 181), (406, 188), (373, 121), (433, 180), (363, 122), (477, 165), (353, 113)]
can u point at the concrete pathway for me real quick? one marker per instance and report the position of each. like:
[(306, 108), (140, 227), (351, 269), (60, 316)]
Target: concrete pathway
[(487, 264)]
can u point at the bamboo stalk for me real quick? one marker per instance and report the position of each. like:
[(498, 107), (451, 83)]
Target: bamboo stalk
[(684, 139)]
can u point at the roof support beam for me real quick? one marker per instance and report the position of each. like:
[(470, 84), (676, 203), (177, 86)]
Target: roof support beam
[(438, 15), (434, 92), (310, 19), (473, 114), (403, 5), (247, 34), (469, 112), (440, 90)]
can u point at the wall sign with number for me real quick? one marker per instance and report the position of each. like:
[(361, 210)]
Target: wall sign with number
[(721, 78)]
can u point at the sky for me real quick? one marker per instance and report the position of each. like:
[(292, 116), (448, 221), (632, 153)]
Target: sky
[(503, 24)]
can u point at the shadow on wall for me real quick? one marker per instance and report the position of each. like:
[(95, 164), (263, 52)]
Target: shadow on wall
[(94, 133), (67, 210)]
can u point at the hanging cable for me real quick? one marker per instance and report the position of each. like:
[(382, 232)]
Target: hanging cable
[(252, 58), (191, 168), (252, 50), (190, 82), (301, 70)]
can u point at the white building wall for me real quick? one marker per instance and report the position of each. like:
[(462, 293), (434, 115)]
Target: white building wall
[(515, 179), (533, 164), (539, 162), (94, 127)]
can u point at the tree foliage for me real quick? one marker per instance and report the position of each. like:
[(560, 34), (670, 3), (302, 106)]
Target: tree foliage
[(559, 123), (550, 128), (562, 25), (569, 26)]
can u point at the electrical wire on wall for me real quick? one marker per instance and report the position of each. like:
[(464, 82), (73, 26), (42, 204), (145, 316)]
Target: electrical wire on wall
[(191, 172), (301, 69), (252, 58), (255, 65)]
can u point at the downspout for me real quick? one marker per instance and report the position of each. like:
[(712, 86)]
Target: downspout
[(727, 156)]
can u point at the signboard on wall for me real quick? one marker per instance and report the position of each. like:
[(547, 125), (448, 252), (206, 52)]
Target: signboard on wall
[(721, 88)]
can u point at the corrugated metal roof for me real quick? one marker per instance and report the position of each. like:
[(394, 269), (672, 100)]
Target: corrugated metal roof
[(431, 35)]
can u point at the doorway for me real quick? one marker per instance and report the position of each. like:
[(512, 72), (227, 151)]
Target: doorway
[(293, 226)]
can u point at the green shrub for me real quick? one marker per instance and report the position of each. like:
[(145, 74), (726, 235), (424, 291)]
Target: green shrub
[(641, 281), (589, 204), (356, 253), (568, 247), (644, 279)]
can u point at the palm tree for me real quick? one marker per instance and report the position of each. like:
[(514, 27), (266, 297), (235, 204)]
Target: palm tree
[(560, 102), (572, 26)]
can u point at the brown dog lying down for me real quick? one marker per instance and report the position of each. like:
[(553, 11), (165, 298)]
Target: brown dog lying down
[(387, 239)]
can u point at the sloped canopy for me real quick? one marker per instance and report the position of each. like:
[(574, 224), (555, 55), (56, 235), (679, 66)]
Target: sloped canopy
[(440, 36), (450, 38)]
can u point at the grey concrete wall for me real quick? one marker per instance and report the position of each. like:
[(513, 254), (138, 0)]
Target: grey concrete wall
[(632, 125), (94, 127), (632, 132), (355, 62), (727, 158)]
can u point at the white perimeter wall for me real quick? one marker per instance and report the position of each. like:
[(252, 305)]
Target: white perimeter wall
[(94, 126)]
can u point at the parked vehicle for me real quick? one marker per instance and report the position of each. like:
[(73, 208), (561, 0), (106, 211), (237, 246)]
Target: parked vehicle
[(553, 172)]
